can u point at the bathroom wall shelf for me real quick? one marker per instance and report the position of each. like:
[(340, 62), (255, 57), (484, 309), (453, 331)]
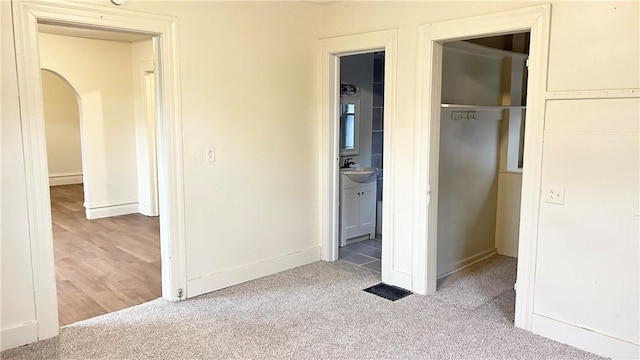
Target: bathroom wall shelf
[(481, 107)]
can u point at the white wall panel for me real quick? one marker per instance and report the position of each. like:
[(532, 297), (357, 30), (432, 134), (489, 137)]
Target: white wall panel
[(594, 45), (587, 268), (605, 116)]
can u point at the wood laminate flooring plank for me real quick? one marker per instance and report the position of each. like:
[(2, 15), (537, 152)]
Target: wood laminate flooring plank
[(102, 265)]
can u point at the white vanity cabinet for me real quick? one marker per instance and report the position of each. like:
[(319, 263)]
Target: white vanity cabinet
[(357, 208)]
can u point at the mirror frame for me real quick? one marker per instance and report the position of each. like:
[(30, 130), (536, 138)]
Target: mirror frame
[(348, 99)]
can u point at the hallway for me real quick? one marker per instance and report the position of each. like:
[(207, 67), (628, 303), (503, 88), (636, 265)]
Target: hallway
[(102, 265)]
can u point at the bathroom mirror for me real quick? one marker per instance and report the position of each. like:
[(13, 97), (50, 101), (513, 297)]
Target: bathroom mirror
[(349, 125)]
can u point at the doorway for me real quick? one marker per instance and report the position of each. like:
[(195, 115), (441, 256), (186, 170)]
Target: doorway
[(361, 144), (536, 20), (480, 166), (162, 29), (107, 255), (332, 50)]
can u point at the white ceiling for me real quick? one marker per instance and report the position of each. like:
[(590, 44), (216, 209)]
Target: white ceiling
[(90, 33)]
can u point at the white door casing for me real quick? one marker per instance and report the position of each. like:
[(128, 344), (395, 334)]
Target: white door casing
[(147, 166), (27, 14), (427, 133), (331, 51)]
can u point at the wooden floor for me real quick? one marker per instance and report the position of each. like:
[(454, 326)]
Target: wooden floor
[(102, 265)]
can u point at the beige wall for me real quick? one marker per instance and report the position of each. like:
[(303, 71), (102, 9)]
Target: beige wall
[(62, 124), (101, 73), (250, 87)]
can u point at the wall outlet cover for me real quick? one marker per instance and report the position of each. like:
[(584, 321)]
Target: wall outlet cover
[(555, 195)]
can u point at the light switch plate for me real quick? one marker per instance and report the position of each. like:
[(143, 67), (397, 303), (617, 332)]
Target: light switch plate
[(555, 195), (210, 154)]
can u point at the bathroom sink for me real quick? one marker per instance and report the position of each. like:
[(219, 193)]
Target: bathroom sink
[(360, 174)]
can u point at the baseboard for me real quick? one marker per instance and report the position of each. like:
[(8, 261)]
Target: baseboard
[(464, 263), (108, 209), (253, 271), (144, 208), (584, 339), (65, 179), (19, 335)]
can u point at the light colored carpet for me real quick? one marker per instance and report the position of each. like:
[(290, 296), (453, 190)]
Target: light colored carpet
[(479, 283), (317, 311)]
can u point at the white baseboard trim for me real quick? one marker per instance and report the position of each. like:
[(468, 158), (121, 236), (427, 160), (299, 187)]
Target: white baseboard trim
[(19, 335), (108, 209), (584, 339), (144, 208), (465, 263), (65, 179), (253, 271)]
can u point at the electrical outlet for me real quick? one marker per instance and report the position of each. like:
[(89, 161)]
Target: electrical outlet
[(210, 154), (555, 195)]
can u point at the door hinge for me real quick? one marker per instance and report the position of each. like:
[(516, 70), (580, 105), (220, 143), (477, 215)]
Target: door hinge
[(428, 194), (526, 63), (515, 286), (180, 293)]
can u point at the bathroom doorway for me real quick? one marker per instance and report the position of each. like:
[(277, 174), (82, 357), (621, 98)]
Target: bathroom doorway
[(361, 134), (333, 49)]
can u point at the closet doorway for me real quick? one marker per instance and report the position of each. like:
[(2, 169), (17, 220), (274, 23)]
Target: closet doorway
[(480, 164)]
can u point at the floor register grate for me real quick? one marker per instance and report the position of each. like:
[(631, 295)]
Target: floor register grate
[(388, 292)]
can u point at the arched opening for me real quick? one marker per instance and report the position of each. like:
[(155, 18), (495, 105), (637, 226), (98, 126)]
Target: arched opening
[(61, 104)]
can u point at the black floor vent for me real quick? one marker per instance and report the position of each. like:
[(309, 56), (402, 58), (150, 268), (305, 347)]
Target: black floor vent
[(388, 292)]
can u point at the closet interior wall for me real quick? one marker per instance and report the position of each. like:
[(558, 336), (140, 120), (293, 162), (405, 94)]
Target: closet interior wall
[(479, 180)]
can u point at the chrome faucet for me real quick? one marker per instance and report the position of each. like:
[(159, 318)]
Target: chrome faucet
[(347, 163)]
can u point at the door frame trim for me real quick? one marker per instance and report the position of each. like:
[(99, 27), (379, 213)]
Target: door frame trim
[(331, 49), (164, 30), (147, 180), (535, 19)]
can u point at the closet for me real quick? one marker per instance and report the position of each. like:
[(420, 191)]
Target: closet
[(480, 162)]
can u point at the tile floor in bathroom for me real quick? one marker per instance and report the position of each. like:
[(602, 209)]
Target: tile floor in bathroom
[(365, 253)]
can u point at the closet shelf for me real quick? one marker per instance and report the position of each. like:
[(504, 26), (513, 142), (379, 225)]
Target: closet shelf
[(481, 107)]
